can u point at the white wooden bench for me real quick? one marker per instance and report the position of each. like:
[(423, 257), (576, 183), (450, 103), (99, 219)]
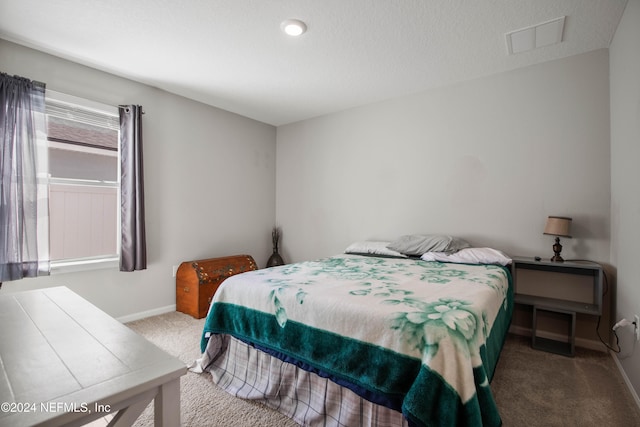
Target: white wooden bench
[(64, 362)]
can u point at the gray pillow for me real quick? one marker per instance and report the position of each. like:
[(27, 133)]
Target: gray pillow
[(418, 244)]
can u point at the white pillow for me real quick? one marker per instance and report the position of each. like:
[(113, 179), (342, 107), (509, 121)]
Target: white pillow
[(372, 248), (470, 256)]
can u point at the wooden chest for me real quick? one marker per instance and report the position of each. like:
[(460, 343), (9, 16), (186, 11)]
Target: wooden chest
[(197, 281)]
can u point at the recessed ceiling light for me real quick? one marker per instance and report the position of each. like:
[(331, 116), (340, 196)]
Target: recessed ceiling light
[(293, 27)]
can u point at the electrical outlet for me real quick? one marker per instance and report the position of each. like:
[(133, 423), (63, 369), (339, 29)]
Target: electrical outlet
[(637, 326)]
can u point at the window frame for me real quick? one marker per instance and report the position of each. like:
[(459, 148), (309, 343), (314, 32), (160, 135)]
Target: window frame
[(69, 265)]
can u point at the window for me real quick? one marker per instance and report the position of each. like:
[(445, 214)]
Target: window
[(83, 182)]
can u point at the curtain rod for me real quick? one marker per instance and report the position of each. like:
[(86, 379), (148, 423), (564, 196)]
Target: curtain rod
[(126, 107)]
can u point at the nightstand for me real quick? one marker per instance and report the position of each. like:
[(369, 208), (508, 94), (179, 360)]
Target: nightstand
[(543, 301)]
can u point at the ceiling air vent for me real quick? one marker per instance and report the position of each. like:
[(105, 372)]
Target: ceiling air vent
[(544, 34)]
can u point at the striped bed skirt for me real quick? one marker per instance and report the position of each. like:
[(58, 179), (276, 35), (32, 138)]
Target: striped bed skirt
[(307, 398)]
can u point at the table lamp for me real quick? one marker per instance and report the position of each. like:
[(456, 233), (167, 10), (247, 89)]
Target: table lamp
[(558, 226)]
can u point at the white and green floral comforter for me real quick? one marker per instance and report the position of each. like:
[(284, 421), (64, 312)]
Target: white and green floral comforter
[(421, 336)]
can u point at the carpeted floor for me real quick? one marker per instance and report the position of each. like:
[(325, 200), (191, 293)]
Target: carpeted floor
[(531, 388)]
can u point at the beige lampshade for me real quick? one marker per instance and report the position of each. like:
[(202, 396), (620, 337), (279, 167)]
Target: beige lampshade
[(558, 226)]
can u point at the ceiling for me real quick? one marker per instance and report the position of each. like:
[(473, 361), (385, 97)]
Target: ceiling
[(232, 54)]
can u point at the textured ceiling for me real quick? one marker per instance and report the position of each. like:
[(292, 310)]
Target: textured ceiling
[(232, 54)]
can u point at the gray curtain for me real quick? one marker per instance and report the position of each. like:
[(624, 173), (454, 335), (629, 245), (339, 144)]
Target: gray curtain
[(24, 210), (133, 247)]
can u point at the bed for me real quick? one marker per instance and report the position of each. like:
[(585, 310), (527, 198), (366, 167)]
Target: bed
[(363, 339)]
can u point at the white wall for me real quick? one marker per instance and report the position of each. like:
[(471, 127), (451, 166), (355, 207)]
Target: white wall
[(209, 183), (487, 160), (625, 176)]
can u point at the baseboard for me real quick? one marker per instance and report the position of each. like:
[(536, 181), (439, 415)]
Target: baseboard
[(145, 314), (580, 342), (625, 378)]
